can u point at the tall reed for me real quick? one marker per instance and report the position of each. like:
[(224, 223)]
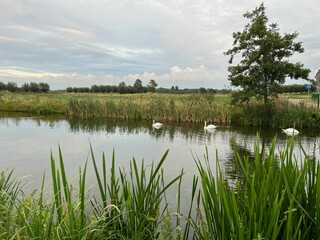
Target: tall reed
[(280, 113), (9, 189), (268, 201), (133, 210), (164, 107)]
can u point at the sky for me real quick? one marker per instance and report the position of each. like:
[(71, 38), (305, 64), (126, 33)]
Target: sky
[(79, 43)]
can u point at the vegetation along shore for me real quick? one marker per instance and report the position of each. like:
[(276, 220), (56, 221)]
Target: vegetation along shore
[(214, 108)]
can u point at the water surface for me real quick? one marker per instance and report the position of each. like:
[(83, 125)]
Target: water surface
[(26, 143)]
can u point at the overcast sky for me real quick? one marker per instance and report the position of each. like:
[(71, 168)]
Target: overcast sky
[(177, 42)]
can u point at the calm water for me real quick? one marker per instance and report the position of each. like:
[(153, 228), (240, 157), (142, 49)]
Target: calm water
[(27, 141)]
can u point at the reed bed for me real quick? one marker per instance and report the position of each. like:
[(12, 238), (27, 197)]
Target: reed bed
[(38, 103), (164, 107), (275, 196), (280, 113)]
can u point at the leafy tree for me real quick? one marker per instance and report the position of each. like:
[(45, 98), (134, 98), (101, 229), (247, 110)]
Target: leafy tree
[(84, 89), (25, 87), (12, 86), (34, 87), (138, 86), (152, 86), (202, 90), (3, 86), (69, 89), (44, 87), (95, 88), (211, 91), (264, 65), (114, 88), (103, 88), (122, 88), (109, 88)]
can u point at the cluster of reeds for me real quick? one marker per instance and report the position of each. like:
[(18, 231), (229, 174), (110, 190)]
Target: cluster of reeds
[(130, 206), (196, 108), (38, 103), (164, 107), (175, 108), (275, 196), (280, 113)]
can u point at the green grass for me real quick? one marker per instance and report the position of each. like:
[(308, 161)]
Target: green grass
[(274, 196)]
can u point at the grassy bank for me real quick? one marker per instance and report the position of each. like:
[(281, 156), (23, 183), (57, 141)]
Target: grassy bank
[(37, 103), (164, 107), (275, 196)]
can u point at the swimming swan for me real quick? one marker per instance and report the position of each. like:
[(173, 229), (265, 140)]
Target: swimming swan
[(291, 131), (156, 124), (210, 126)]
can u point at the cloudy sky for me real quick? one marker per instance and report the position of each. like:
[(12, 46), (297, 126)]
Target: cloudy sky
[(177, 42)]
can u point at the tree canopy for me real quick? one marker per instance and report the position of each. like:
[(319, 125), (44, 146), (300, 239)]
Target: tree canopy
[(264, 54)]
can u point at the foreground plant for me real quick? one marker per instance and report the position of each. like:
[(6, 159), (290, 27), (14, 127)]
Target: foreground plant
[(133, 210), (275, 197)]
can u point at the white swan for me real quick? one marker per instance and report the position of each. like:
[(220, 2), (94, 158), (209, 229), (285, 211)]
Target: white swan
[(156, 124), (210, 126), (291, 131)]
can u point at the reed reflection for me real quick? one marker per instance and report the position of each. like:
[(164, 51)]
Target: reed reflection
[(180, 138)]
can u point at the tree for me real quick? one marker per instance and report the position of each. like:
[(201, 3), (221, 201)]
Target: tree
[(138, 86), (69, 89), (44, 87), (25, 87), (12, 86), (152, 86), (264, 65), (95, 88), (34, 87), (122, 88), (202, 90), (3, 86), (103, 88)]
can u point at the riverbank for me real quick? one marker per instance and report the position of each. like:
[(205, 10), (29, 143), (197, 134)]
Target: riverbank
[(164, 107)]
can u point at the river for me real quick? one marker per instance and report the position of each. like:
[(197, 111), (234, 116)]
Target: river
[(27, 141)]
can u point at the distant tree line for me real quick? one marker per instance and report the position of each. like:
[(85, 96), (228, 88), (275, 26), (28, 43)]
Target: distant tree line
[(138, 87), (122, 88), (26, 87), (296, 88), (201, 90)]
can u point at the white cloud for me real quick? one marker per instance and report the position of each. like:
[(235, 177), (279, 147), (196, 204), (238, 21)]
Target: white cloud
[(174, 42), (183, 77)]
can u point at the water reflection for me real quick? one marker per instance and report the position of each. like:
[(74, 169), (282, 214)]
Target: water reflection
[(28, 139), (7, 118)]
